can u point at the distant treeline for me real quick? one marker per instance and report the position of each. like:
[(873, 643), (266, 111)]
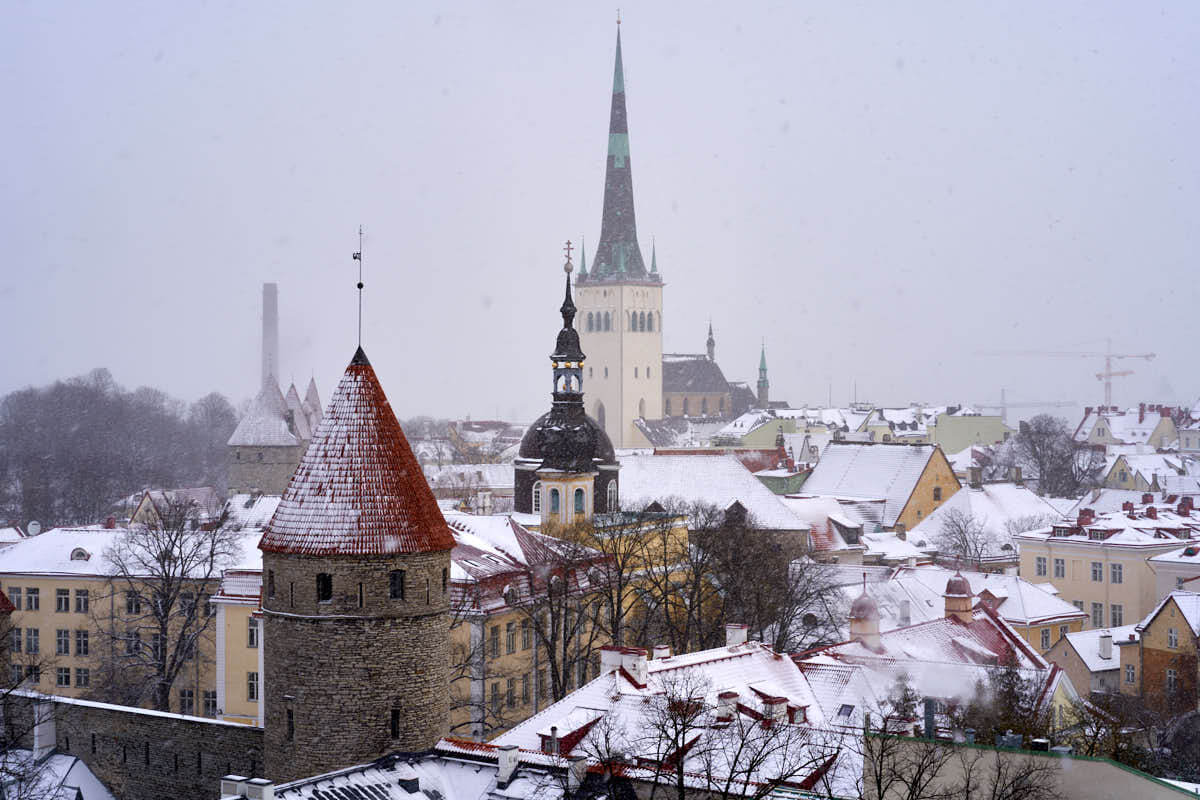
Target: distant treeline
[(70, 450)]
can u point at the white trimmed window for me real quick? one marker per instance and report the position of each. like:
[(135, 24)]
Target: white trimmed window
[(1040, 565), (612, 497), (1172, 638), (1117, 577), (537, 497)]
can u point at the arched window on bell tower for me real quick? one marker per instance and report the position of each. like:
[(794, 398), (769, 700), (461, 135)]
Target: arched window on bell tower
[(537, 497)]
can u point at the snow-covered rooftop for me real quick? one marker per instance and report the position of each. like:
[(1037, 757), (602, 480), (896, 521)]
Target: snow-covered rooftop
[(998, 508), (1188, 604), (264, 424), (871, 471), (716, 480), (1087, 646)]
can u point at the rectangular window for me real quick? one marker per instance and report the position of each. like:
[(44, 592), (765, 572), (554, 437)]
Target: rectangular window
[(395, 723), (1097, 615), (187, 701), (1172, 681), (14, 594), (271, 584), (1045, 638), (526, 634), (396, 584), (158, 649), (1063, 630), (1172, 638), (251, 685), (1116, 575), (1060, 568), (81, 601), (1097, 572), (252, 632), (187, 604), (16, 674), (133, 603), (1130, 673), (1078, 604), (510, 638), (1040, 564), (33, 673), (510, 693), (525, 689), (324, 587), (495, 698), (1116, 615), (15, 644), (62, 643), (62, 676), (291, 724), (133, 643), (83, 677), (210, 703), (33, 601), (494, 641), (62, 601), (32, 641)]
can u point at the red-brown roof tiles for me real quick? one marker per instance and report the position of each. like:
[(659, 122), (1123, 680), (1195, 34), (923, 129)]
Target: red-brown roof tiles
[(358, 490)]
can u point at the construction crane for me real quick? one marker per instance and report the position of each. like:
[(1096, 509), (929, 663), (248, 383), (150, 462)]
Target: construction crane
[(1004, 405), (1108, 355)]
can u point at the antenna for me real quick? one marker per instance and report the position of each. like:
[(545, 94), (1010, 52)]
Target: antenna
[(357, 256)]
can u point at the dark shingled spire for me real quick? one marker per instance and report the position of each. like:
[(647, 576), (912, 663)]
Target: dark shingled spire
[(618, 256)]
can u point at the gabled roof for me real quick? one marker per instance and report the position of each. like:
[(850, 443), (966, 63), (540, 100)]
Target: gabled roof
[(1086, 645), (359, 489), (871, 471), (692, 374), (264, 424), (1188, 604), (995, 506)]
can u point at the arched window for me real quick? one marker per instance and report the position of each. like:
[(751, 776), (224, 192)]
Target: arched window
[(612, 497), (685, 406), (554, 501), (650, 322), (642, 408), (537, 497), (589, 322), (703, 406), (607, 321), (579, 501), (642, 321)]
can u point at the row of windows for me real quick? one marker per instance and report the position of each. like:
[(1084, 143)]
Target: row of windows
[(510, 638), (686, 407), (32, 673), (187, 702), (397, 590), (584, 671), (32, 598), (580, 499), (1116, 571), (638, 321), (1063, 630), (1116, 614), (1172, 677)]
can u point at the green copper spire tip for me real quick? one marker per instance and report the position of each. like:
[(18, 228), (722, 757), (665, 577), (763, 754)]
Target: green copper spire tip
[(618, 73), (762, 361)]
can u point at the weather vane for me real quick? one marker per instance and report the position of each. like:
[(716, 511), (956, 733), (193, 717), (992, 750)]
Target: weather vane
[(618, 16), (357, 256)]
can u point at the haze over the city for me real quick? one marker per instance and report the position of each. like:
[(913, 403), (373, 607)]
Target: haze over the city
[(879, 194)]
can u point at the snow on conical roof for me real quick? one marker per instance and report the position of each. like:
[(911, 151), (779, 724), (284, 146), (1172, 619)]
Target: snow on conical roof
[(264, 424), (359, 489), (299, 416), (312, 403)]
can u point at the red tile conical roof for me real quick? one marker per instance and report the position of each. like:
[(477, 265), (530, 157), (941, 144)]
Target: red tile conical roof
[(358, 490)]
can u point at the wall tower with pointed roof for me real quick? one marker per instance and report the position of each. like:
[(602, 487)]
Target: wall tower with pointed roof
[(620, 302), (356, 565)]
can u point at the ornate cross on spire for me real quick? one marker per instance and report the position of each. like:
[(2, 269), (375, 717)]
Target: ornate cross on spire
[(618, 16), (567, 249), (357, 256)]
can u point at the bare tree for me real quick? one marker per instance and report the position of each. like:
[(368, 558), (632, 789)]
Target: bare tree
[(160, 575), (962, 538), (1047, 451)]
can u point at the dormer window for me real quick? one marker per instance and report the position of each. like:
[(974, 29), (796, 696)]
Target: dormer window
[(79, 554)]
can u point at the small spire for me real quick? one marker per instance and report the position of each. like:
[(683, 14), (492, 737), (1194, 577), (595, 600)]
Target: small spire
[(357, 256), (568, 307), (582, 257), (762, 359), (653, 256)]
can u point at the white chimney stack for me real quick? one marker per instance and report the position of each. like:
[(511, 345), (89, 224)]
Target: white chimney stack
[(44, 734), (507, 762), (1106, 645), (270, 333), (735, 634), (661, 651), (260, 789)]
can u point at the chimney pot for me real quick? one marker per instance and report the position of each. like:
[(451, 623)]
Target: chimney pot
[(1086, 517)]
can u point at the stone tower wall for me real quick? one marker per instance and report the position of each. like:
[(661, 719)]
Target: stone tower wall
[(262, 469), (341, 668)]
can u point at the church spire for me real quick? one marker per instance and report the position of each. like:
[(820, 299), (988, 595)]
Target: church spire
[(567, 358), (711, 343), (653, 256), (618, 255), (764, 386)]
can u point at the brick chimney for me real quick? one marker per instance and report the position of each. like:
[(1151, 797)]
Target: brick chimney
[(1147, 498), (901, 531), (1151, 512), (976, 477), (1127, 506), (1086, 517), (726, 706), (1141, 413)]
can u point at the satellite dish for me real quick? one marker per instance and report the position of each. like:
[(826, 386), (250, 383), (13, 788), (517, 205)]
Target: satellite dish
[(33, 528)]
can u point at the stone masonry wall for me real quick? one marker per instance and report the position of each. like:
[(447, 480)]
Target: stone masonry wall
[(148, 755), (341, 668), (262, 469)]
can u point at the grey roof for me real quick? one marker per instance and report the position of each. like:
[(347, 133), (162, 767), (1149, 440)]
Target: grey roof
[(887, 472), (264, 424), (689, 374)]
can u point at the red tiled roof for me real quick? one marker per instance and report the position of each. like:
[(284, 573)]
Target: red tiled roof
[(358, 490)]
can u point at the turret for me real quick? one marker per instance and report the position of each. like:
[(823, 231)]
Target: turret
[(958, 597), (864, 620)]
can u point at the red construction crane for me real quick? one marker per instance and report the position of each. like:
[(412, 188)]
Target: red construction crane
[(1108, 355)]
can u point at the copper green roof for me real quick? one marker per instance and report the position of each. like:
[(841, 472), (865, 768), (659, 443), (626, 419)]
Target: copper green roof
[(618, 256)]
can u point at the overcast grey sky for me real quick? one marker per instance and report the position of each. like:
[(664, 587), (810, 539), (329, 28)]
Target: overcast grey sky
[(879, 190)]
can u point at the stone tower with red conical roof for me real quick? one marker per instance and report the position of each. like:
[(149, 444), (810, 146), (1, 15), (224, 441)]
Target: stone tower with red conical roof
[(356, 565)]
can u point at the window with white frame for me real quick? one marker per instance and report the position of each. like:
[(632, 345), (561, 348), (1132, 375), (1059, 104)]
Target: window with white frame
[(1130, 673), (1040, 565), (1116, 615), (1097, 572), (1172, 638), (1045, 638), (612, 496), (1097, 615), (252, 632), (1172, 681), (1117, 574), (251, 685), (1060, 568)]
